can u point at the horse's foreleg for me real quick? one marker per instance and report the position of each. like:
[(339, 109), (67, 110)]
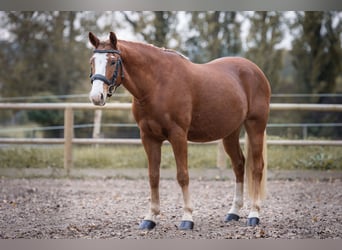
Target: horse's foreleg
[(153, 151), (178, 140), (232, 147)]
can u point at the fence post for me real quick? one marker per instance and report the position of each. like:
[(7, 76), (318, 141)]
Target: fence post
[(221, 160), (305, 132), (68, 136), (97, 124)]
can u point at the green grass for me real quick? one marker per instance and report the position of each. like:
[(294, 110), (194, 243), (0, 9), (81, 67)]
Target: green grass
[(134, 157), (31, 157), (304, 157), (200, 156)]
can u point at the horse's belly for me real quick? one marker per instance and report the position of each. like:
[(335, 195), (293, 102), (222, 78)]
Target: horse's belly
[(201, 136), (213, 126)]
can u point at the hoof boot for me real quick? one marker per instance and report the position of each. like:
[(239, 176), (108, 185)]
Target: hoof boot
[(252, 222), (232, 217), (186, 225), (147, 225)]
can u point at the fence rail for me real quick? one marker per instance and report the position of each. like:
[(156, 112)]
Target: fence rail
[(128, 106), (69, 140)]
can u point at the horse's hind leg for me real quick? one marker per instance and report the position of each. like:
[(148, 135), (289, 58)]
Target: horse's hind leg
[(232, 147), (255, 167)]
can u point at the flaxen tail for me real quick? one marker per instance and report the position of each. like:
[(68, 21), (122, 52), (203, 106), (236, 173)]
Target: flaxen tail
[(255, 190)]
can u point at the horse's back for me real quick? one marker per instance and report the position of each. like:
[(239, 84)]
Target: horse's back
[(240, 67)]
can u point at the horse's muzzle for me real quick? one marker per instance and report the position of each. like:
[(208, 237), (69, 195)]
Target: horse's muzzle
[(98, 100)]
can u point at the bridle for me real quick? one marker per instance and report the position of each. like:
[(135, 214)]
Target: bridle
[(112, 84)]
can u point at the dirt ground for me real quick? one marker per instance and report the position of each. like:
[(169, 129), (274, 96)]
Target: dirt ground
[(111, 208)]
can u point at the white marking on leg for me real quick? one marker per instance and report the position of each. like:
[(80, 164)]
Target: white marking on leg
[(150, 216), (238, 199), (254, 213), (154, 210), (187, 215)]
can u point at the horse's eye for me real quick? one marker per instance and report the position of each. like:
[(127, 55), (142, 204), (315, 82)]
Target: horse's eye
[(112, 62)]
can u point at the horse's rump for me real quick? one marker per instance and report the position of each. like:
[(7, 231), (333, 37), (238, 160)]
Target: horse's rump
[(228, 91)]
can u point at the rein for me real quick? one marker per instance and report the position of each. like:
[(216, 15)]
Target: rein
[(113, 85)]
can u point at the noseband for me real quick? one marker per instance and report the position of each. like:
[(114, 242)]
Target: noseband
[(112, 84)]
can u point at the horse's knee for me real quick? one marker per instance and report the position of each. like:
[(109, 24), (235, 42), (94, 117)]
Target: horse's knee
[(154, 180), (183, 178)]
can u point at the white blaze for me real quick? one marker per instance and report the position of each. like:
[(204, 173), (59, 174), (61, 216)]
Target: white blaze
[(100, 61)]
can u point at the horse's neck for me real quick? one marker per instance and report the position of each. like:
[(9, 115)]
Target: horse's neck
[(138, 63)]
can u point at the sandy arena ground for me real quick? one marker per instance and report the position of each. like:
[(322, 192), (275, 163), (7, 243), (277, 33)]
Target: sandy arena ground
[(298, 208)]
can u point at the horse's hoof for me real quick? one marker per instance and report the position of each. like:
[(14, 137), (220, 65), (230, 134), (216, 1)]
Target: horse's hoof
[(252, 222), (147, 225), (186, 225), (232, 217)]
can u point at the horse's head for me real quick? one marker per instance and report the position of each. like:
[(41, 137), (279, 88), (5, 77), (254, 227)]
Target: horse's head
[(105, 66)]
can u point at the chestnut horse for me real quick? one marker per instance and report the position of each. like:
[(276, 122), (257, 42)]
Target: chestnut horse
[(177, 100)]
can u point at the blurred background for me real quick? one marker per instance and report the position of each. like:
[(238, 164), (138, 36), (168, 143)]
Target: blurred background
[(44, 57)]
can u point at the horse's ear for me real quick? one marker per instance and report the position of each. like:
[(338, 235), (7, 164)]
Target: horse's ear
[(94, 40), (113, 39)]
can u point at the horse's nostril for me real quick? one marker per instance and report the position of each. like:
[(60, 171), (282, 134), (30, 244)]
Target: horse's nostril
[(101, 97)]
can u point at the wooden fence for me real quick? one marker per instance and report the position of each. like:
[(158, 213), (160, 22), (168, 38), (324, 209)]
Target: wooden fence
[(69, 139)]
